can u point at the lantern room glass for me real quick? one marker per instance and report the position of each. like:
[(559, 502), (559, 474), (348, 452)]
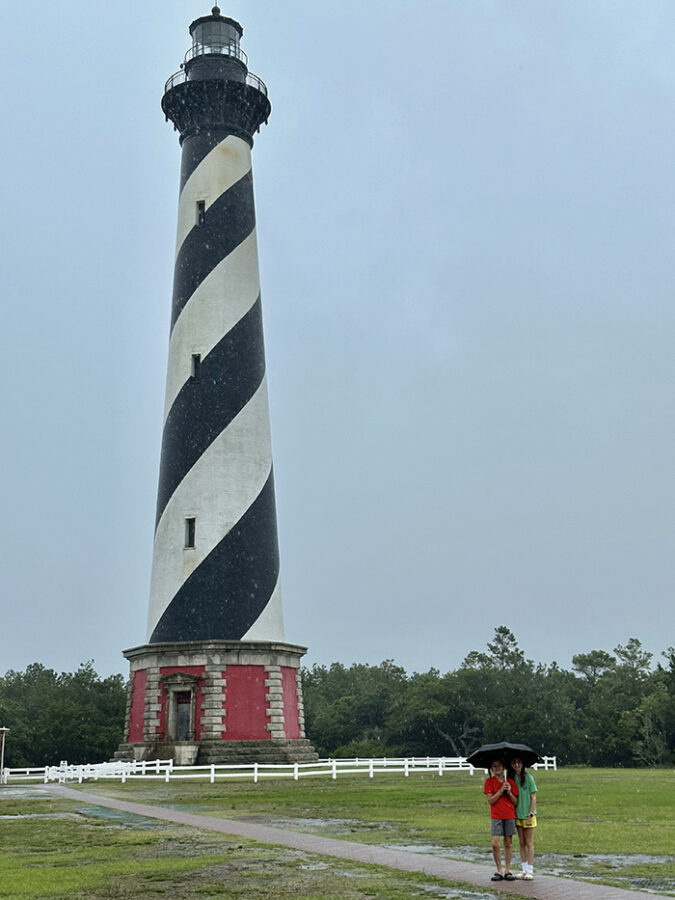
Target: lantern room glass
[(215, 36)]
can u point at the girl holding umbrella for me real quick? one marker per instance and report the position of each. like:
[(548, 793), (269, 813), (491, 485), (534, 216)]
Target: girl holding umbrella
[(526, 816)]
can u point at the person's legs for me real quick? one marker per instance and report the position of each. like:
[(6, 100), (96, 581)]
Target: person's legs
[(521, 843), (528, 865), (529, 846), (508, 840), (497, 852)]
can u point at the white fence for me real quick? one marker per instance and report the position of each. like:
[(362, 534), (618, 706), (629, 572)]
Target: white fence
[(165, 770)]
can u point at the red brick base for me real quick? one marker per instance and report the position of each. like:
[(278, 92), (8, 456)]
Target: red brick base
[(194, 699)]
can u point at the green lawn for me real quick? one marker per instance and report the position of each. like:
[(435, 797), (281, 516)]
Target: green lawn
[(579, 810), (614, 825), (54, 849)]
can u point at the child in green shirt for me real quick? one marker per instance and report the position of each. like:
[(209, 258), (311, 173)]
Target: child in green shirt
[(526, 816)]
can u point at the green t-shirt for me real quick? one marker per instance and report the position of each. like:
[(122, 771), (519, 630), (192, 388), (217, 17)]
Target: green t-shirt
[(525, 791)]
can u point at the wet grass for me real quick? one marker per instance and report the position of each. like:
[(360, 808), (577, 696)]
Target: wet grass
[(89, 852), (613, 826), (604, 818), (579, 810)]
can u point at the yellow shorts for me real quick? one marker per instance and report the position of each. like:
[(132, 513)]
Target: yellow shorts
[(523, 823)]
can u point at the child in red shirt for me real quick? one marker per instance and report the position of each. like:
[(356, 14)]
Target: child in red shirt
[(502, 794)]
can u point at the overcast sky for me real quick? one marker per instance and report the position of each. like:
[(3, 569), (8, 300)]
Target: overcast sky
[(466, 222)]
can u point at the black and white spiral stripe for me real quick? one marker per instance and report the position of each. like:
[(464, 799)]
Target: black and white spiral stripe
[(216, 461)]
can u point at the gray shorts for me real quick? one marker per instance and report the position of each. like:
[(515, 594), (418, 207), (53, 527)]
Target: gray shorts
[(502, 827)]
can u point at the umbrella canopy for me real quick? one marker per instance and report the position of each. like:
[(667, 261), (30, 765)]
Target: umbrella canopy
[(484, 756)]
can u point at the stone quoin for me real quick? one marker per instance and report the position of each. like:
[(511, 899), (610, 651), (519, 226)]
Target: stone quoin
[(215, 680)]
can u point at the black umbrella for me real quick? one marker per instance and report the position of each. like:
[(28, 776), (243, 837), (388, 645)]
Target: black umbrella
[(485, 755)]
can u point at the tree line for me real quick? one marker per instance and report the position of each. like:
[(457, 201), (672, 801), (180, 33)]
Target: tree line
[(610, 709), (76, 716)]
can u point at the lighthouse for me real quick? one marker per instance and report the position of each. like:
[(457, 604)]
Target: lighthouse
[(215, 680)]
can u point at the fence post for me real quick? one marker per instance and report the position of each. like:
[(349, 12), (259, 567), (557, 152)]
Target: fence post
[(371, 769), (406, 768), (167, 775), (213, 773), (295, 772), (255, 773), (334, 770), (440, 765)]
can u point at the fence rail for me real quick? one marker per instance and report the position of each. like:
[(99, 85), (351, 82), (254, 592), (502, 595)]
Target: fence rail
[(165, 770)]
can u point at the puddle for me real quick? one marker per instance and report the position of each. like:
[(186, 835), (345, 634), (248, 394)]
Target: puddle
[(595, 866), (590, 866), (96, 812), (587, 866), (24, 793), (612, 860), (545, 860), (117, 817), (57, 815)]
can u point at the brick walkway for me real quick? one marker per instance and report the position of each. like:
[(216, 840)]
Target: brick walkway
[(544, 887)]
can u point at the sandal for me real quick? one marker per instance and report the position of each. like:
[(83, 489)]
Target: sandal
[(497, 877), (509, 876)]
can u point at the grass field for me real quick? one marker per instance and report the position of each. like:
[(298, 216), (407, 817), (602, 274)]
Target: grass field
[(617, 826)]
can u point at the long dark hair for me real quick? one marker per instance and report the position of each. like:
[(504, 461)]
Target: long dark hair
[(510, 773)]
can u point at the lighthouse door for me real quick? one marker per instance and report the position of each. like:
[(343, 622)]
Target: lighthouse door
[(183, 715)]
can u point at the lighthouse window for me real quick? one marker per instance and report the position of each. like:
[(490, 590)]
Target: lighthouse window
[(201, 212), (190, 529), (196, 365)]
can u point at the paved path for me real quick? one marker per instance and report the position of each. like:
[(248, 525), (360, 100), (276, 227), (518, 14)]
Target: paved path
[(544, 887)]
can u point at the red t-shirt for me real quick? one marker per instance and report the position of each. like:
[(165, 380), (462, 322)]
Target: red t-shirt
[(503, 808)]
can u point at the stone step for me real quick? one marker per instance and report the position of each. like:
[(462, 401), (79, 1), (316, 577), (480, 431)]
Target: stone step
[(247, 752), (207, 752)]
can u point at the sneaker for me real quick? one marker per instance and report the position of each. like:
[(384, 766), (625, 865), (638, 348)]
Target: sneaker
[(528, 876)]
